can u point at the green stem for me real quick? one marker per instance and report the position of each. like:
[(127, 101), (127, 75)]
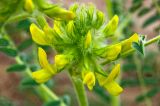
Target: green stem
[(146, 44), (141, 80), (80, 91), (41, 87), (109, 8)]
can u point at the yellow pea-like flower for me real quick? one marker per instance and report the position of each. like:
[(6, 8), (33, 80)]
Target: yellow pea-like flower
[(61, 60), (113, 88), (29, 5), (88, 39), (112, 52), (109, 83), (44, 62), (38, 35), (89, 79), (111, 27), (41, 76), (127, 44), (47, 71)]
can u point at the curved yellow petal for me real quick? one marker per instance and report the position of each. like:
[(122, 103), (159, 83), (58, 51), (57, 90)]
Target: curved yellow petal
[(112, 52), (111, 27), (38, 35), (89, 79), (114, 73), (29, 5), (43, 60), (127, 44), (113, 88), (41, 76)]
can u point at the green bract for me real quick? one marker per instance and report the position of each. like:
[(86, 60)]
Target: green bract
[(81, 47)]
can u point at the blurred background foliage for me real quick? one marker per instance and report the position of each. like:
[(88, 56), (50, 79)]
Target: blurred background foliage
[(140, 77)]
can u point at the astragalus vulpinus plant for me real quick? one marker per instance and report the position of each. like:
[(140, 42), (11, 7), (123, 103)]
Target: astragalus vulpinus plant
[(83, 40), (82, 45)]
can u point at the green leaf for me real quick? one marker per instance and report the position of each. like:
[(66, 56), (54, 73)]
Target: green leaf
[(136, 4), (4, 42), (138, 47), (67, 99), (9, 51), (25, 44), (149, 94), (16, 68), (143, 11), (53, 103), (151, 20), (28, 81), (24, 24)]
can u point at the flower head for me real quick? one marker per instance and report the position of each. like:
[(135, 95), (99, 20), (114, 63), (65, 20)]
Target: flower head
[(81, 46)]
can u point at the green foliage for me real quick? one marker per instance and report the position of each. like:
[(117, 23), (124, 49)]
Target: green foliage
[(53, 103), (25, 44), (28, 81), (4, 42), (8, 51), (149, 94), (16, 68)]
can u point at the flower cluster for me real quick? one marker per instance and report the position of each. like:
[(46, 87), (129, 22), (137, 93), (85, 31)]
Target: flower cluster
[(81, 45)]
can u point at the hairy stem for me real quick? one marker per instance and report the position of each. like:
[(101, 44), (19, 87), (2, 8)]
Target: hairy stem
[(80, 91)]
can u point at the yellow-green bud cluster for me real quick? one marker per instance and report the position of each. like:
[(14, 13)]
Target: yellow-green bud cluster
[(81, 46)]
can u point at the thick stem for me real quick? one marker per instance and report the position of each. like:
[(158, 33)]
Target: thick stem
[(80, 91)]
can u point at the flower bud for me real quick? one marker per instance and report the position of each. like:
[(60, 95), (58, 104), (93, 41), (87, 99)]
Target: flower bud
[(59, 13), (100, 19), (29, 5), (88, 39), (111, 27)]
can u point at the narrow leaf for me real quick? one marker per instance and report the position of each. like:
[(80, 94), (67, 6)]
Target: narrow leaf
[(3, 42), (25, 44), (16, 68), (9, 51), (151, 20), (28, 81)]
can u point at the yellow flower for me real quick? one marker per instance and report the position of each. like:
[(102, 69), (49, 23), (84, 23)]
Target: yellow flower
[(89, 79), (38, 35), (29, 5), (112, 52), (47, 70), (88, 39), (109, 83), (111, 27), (61, 60), (127, 44), (41, 76)]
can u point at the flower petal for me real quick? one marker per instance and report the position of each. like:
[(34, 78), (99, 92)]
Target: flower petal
[(127, 44), (114, 73), (89, 79), (112, 52), (113, 88), (111, 27), (43, 61), (61, 60), (38, 35), (42, 75)]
